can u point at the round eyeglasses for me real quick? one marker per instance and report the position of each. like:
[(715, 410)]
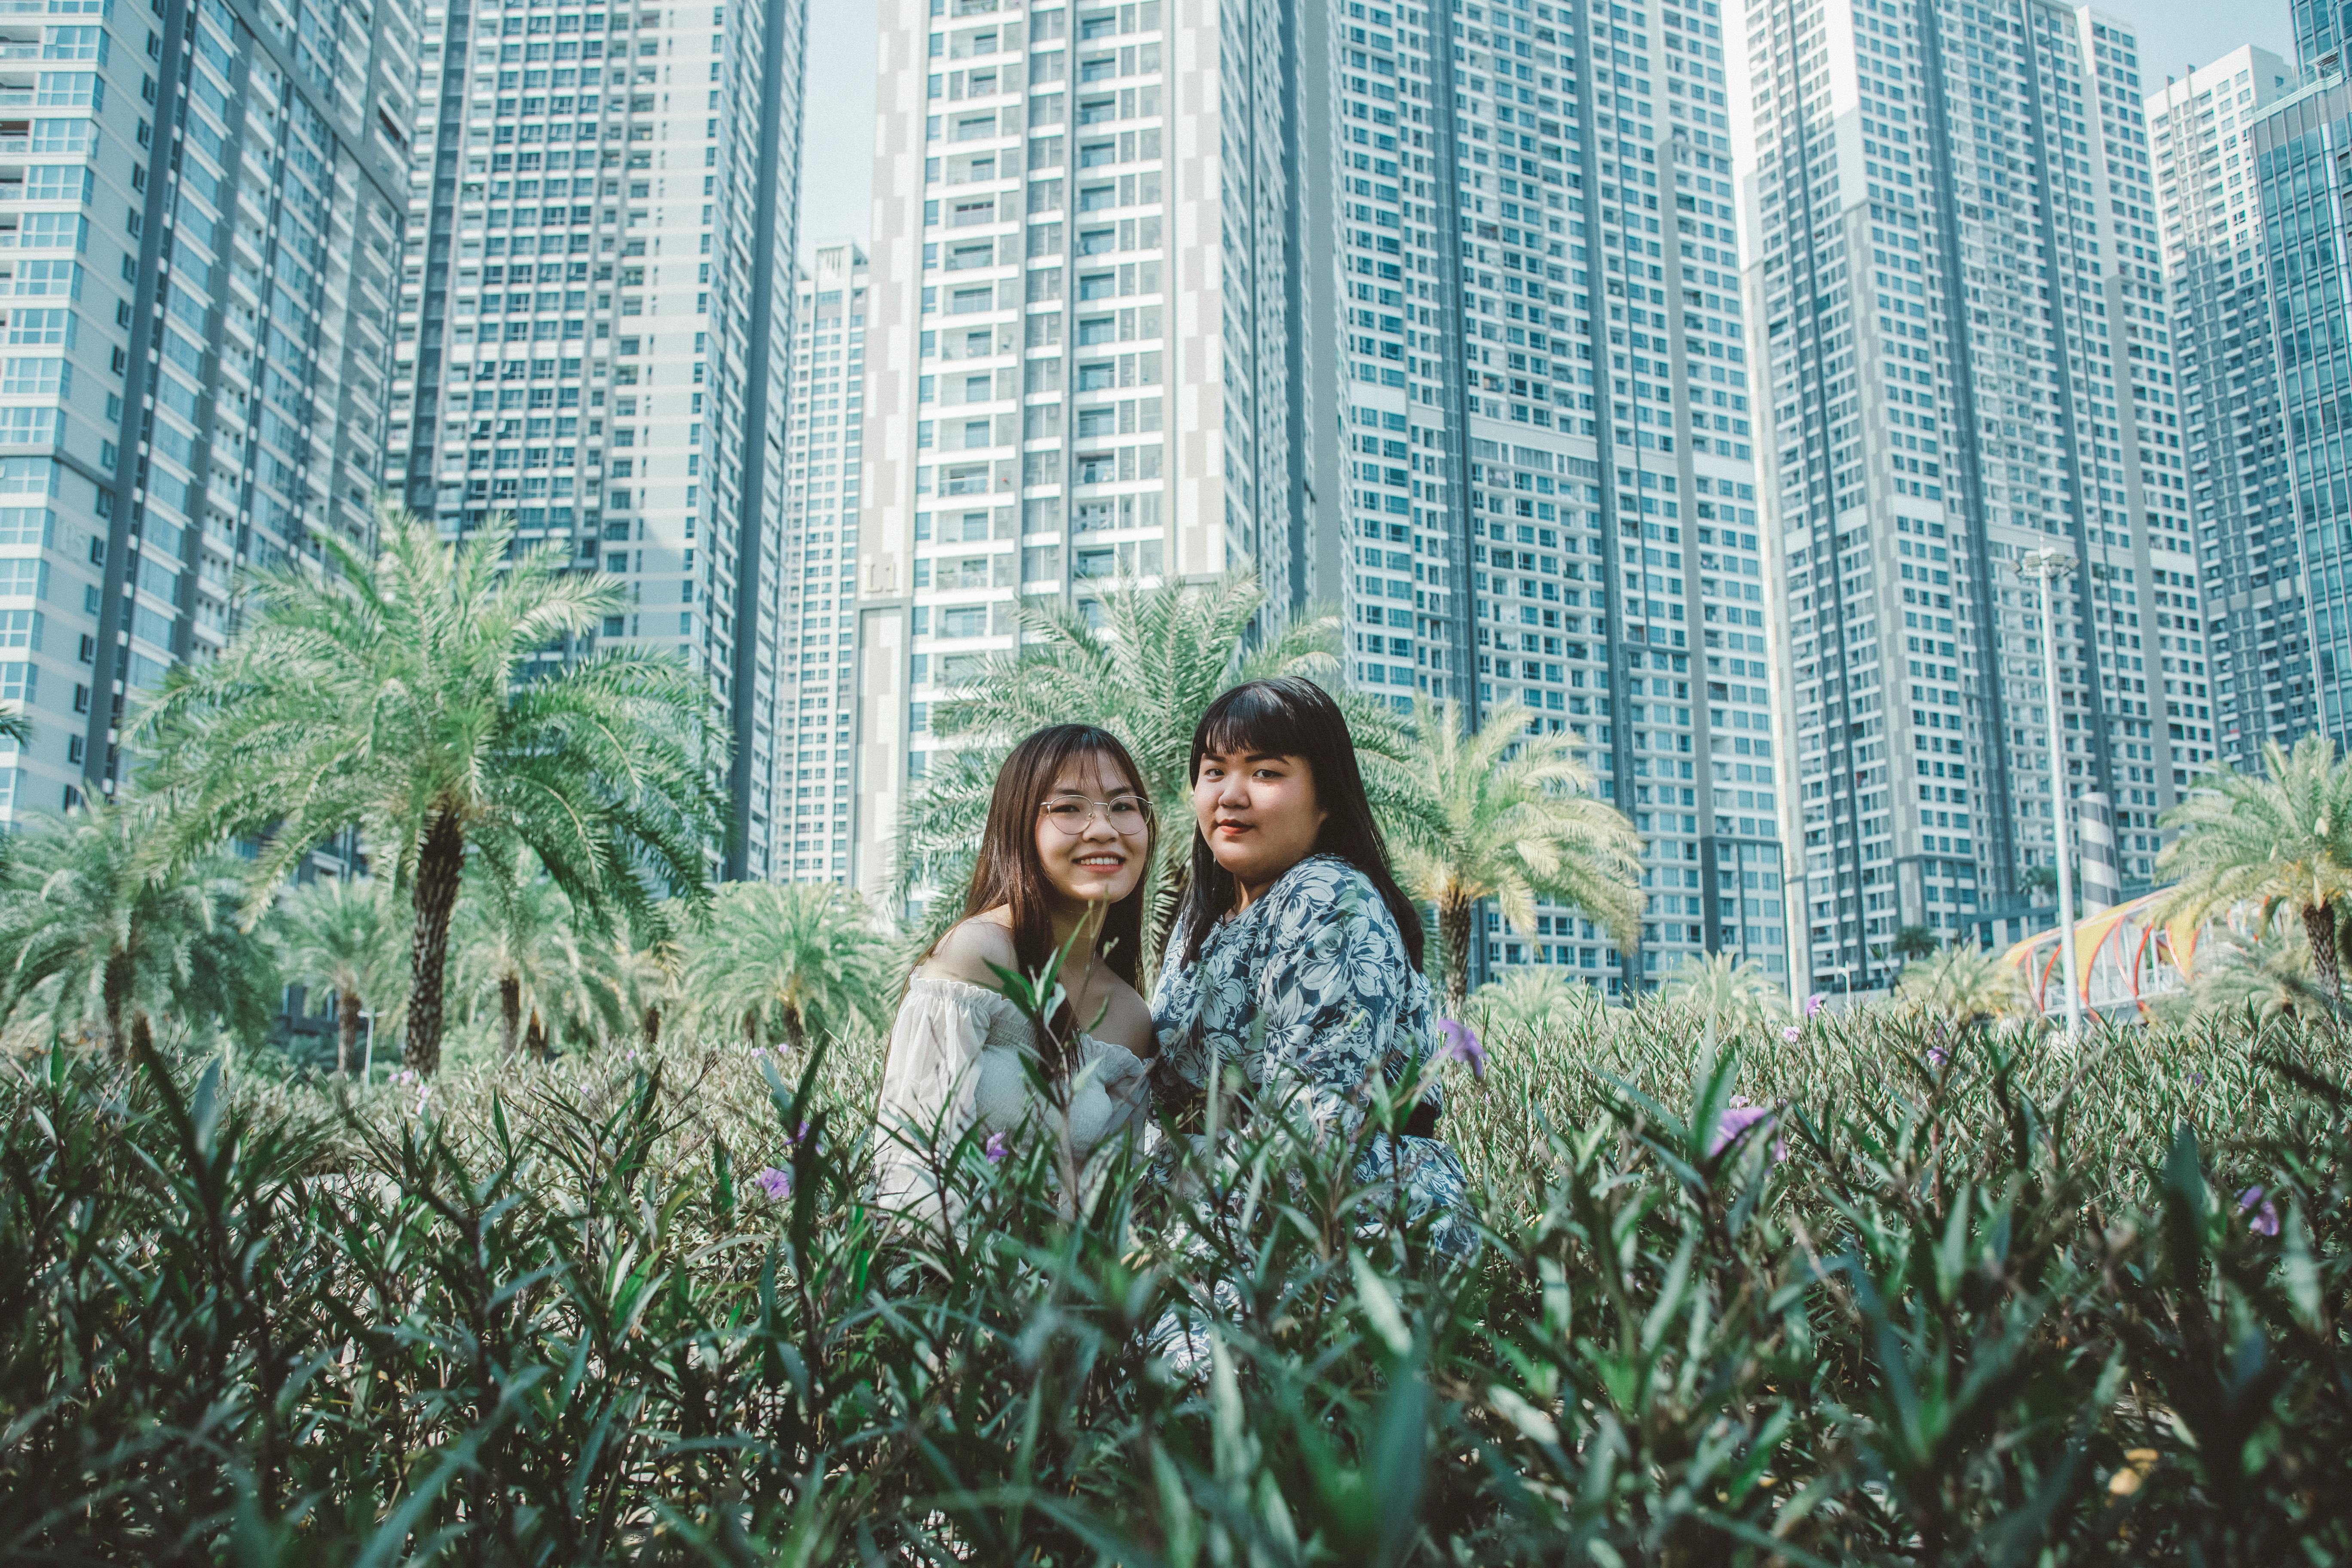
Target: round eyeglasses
[(1128, 815)]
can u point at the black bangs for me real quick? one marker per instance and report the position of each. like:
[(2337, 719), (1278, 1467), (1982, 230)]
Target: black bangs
[(1256, 718), (1290, 716)]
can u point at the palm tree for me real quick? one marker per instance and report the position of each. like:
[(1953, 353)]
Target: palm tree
[(1509, 816), (1912, 942), (2282, 839), (407, 695), (343, 935), (1530, 1001), (1962, 983), (1727, 990), (99, 947), (641, 984), (784, 961), (1161, 657), (516, 946), (2268, 972)]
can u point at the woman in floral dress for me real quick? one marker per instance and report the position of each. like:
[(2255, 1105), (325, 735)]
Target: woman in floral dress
[(1296, 963)]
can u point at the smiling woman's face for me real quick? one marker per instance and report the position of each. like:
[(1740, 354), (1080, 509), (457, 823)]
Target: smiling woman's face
[(1258, 814), (1094, 832)]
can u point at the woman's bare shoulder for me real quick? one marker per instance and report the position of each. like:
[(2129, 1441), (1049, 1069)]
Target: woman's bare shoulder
[(968, 949)]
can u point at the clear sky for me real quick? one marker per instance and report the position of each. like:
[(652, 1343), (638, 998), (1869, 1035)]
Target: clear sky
[(838, 165), (837, 124)]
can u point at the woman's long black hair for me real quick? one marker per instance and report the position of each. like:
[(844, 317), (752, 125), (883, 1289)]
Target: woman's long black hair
[(1290, 716)]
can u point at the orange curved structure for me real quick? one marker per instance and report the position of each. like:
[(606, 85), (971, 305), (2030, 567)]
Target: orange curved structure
[(2127, 956)]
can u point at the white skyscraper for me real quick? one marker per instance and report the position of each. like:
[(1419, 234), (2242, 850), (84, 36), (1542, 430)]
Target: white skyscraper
[(2232, 427), (595, 316), (1078, 334), (1438, 324), (199, 210), (1962, 301), (817, 608)]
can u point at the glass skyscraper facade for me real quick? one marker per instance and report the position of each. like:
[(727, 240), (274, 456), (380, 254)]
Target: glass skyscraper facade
[(1961, 300), (2321, 27), (595, 319), (2203, 132), (199, 212), (817, 599), (2301, 149)]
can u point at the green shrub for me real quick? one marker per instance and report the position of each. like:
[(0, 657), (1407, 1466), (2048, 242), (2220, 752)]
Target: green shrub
[(1944, 1298)]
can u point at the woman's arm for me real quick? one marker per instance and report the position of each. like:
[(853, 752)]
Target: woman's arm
[(1334, 985), (931, 1073)]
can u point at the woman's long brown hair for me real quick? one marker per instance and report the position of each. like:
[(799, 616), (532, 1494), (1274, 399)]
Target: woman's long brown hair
[(1009, 872)]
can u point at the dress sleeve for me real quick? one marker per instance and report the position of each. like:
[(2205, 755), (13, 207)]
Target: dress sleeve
[(929, 1080), (1179, 1067), (1333, 988)]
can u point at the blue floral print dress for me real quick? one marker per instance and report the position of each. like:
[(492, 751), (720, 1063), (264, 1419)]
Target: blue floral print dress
[(1308, 989)]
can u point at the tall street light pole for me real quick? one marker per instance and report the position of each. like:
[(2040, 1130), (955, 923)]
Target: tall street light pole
[(2048, 567)]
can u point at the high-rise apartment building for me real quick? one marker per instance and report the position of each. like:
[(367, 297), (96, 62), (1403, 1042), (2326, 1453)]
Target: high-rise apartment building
[(1962, 301), (594, 318), (1449, 312), (2321, 27), (1080, 329), (199, 206), (817, 595), (1543, 486), (2299, 150), (2203, 132)]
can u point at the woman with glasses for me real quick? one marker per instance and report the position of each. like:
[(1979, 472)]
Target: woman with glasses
[(1061, 869), (1295, 967)]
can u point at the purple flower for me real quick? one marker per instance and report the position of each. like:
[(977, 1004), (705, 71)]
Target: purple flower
[(2198, 1079), (1793, 1034), (1461, 1045), (1738, 1118), (2265, 1221), (1936, 1056), (777, 1185), (996, 1149), (1815, 1002)]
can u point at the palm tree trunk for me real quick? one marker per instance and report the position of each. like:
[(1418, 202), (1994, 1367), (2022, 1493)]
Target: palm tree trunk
[(795, 1031), (2319, 927), (115, 998), (651, 1026), (535, 1038), (1173, 882), (1456, 929), (142, 1037), (438, 863), (347, 1029), (510, 1014)]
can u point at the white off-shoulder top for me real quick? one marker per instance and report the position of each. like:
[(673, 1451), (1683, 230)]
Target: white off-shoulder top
[(957, 1060)]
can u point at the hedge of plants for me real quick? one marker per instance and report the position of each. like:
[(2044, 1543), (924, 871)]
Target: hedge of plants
[(1879, 1292)]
